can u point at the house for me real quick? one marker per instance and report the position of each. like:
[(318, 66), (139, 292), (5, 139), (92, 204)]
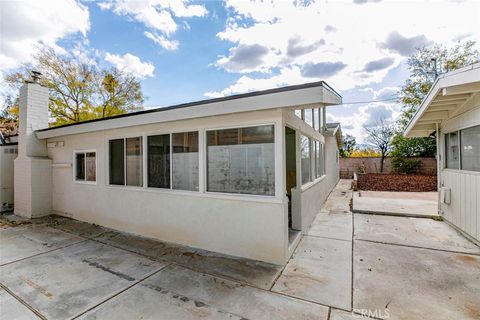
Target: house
[(8, 153), (451, 111), (242, 175)]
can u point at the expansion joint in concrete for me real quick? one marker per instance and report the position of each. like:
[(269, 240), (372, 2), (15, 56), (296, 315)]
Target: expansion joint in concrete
[(418, 247)]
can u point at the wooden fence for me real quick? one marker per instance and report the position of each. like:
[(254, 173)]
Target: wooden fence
[(372, 165)]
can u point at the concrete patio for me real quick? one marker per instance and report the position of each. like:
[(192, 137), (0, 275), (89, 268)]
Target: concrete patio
[(405, 204), (346, 265)]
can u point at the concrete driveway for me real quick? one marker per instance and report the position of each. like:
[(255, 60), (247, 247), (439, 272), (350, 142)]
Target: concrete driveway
[(346, 265)]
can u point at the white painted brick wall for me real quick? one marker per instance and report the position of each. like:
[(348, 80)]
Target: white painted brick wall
[(33, 116), (32, 168)]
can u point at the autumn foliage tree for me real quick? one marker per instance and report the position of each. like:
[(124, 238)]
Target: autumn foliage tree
[(81, 90)]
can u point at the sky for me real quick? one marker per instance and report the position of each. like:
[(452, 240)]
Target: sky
[(184, 51)]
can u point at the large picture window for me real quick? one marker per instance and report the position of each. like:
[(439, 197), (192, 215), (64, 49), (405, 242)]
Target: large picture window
[(470, 148), (306, 159), (85, 166), (126, 162), (241, 160), (159, 161), (185, 161)]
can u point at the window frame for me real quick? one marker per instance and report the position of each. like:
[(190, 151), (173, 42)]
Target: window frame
[(124, 138), (74, 166), (199, 132), (146, 168), (204, 148), (460, 149), (310, 156), (145, 160), (444, 152)]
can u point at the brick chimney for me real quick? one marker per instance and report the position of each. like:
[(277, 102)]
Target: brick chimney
[(32, 167)]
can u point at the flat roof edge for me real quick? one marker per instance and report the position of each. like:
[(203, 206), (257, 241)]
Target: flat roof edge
[(322, 84)]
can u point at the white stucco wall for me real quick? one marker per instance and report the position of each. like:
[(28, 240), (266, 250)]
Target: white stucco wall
[(464, 209), (308, 199), (248, 226), (313, 195)]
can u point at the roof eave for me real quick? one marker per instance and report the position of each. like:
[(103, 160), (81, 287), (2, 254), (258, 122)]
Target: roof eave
[(464, 81)]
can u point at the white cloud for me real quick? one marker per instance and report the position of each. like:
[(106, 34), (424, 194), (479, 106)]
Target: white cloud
[(165, 43), (364, 116), (27, 24), (386, 93), (244, 58), (157, 15), (181, 8), (404, 45), (247, 83), (339, 42), (132, 64)]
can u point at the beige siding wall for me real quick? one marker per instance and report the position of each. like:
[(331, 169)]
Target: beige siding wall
[(464, 209)]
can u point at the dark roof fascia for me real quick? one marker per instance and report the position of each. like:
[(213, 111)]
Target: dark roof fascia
[(202, 102)]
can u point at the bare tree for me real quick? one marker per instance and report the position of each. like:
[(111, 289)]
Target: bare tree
[(79, 90), (380, 137)]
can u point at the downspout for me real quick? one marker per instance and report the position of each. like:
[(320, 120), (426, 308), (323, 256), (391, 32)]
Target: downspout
[(437, 138)]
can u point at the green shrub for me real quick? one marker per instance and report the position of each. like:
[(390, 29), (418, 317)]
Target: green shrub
[(406, 165)]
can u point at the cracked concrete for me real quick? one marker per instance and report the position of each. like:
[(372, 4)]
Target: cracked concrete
[(425, 233), (400, 268), (28, 240), (416, 283), (65, 282), (319, 271), (414, 204), (332, 225), (137, 302), (11, 308), (249, 302), (256, 273)]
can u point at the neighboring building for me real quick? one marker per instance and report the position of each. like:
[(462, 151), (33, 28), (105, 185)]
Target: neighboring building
[(241, 175), (451, 111), (8, 153)]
